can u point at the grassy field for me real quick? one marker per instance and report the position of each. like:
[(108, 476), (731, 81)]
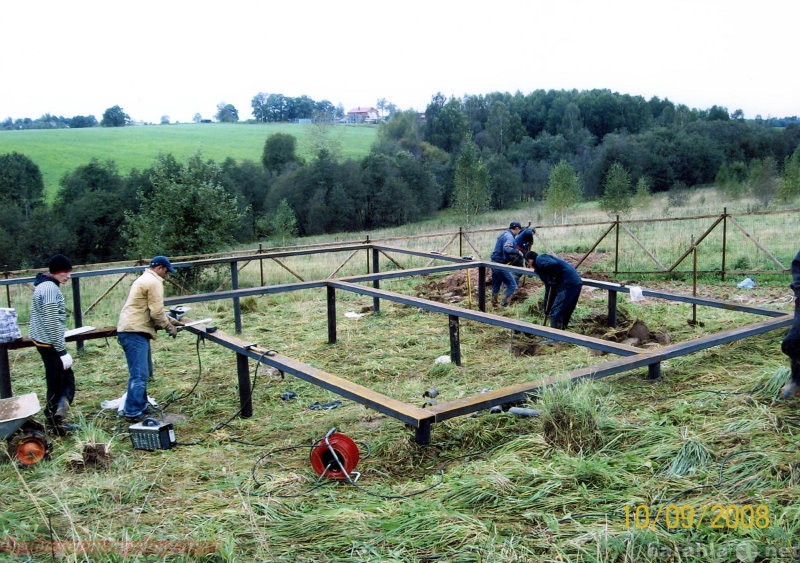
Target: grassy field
[(700, 465), (60, 151)]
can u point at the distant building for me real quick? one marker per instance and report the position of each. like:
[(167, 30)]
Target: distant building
[(362, 115)]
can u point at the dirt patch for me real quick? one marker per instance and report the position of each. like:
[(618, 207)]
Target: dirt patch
[(459, 286), (454, 288), (94, 456), (633, 332), (462, 286)]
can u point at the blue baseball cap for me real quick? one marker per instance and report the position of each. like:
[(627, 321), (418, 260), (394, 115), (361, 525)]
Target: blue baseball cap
[(162, 261), (515, 225)]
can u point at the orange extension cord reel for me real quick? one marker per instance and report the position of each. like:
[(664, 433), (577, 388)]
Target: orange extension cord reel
[(335, 456)]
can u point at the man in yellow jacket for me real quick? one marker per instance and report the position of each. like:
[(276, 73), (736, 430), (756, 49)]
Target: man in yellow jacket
[(143, 314)]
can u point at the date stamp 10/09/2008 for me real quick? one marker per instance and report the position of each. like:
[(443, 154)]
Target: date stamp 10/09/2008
[(686, 516)]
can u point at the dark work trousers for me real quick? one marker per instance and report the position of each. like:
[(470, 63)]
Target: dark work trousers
[(564, 303), (60, 382), (791, 344)]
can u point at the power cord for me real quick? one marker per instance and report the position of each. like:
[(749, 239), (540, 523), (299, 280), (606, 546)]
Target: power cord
[(197, 381), (322, 482)]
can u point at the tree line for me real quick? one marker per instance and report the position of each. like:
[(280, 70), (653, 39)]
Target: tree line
[(470, 154)]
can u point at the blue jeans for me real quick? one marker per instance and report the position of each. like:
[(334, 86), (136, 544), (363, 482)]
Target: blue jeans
[(500, 278), (137, 354)]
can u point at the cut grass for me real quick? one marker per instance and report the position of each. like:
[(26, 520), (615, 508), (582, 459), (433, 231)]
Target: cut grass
[(500, 489), (490, 487)]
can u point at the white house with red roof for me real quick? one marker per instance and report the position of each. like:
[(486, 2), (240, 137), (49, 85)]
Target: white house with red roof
[(362, 115)]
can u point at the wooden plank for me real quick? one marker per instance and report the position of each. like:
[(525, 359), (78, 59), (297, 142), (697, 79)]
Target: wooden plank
[(104, 332)]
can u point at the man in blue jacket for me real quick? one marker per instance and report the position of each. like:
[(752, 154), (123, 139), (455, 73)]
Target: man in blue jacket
[(524, 240), (791, 343), (505, 252), (562, 286)]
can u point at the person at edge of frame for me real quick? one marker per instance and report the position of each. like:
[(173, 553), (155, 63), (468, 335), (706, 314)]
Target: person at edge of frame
[(505, 252), (141, 316), (562, 286), (48, 323), (791, 342)]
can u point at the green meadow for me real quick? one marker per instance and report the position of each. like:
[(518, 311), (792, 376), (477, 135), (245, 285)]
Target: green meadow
[(59, 151)]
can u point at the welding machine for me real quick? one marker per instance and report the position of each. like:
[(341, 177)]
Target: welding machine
[(151, 434)]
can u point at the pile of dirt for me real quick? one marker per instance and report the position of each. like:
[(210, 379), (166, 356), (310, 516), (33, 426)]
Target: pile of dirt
[(94, 456), (454, 288), (633, 332), (458, 286)]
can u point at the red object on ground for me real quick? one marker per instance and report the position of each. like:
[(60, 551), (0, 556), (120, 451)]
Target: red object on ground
[(332, 453)]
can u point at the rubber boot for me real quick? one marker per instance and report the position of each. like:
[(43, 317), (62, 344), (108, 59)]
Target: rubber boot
[(58, 422), (789, 390), (63, 408), (792, 387)]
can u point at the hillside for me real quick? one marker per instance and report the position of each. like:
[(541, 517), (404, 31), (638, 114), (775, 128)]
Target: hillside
[(59, 151)]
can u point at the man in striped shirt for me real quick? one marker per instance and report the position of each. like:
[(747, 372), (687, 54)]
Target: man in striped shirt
[(48, 322)]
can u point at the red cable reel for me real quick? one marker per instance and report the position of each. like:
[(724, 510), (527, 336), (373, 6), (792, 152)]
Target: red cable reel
[(335, 456)]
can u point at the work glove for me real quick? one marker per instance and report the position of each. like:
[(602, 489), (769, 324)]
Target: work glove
[(172, 330), (66, 361)]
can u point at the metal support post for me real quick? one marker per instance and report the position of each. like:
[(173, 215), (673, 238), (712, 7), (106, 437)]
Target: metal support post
[(331, 299), (76, 306), (455, 340), (376, 303), (5, 373), (612, 308), (245, 391), (482, 288), (237, 311)]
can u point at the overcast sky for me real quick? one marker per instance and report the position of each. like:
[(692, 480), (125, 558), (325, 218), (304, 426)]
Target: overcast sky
[(180, 57)]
